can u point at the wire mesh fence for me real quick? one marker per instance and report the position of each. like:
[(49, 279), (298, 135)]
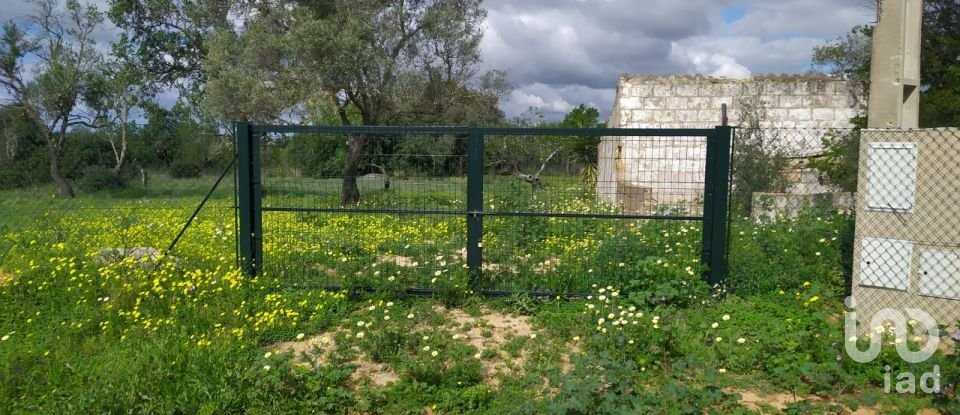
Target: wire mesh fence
[(906, 254), (554, 217), (867, 213), (532, 195), (791, 213), (405, 228)]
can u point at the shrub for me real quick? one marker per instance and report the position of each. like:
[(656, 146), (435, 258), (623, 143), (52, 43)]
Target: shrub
[(758, 166), (183, 169), (840, 158), (97, 178), (815, 246)]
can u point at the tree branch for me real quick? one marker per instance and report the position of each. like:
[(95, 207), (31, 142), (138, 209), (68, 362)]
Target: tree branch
[(544, 166)]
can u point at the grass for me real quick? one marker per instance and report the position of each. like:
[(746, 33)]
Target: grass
[(85, 333)]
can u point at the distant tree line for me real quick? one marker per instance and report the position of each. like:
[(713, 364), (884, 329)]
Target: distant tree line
[(172, 141)]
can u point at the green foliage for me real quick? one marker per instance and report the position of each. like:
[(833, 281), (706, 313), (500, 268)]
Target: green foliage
[(23, 152), (768, 257), (759, 162), (840, 159), (337, 49), (656, 282), (316, 156), (97, 178), (430, 156), (124, 336), (949, 400), (174, 28), (599, 384), (847, 57), (758, 166), (940, 74), (184, 169), (61, 41), (583, 149)]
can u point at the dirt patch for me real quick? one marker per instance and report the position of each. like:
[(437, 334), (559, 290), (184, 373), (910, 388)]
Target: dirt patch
[(548, 265), (5, 278), (491, 330), (759, 401), (400, 261), (488, 331), (316, 351), (330, 272)]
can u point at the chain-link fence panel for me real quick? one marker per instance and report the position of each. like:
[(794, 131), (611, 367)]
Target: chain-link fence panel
[(906, 254)]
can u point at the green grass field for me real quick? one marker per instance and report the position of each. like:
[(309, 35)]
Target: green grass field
[(85, 330)]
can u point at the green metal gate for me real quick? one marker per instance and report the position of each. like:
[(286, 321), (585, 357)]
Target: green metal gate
[(491, 210)]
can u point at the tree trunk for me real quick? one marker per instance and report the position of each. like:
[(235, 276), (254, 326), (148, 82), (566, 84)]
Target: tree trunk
[(63, 186), (122, 154), (349, 193)]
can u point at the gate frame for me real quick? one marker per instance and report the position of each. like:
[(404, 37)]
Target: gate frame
[(715, 202)]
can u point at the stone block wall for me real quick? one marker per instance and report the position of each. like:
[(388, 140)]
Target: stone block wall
[(673, 168)]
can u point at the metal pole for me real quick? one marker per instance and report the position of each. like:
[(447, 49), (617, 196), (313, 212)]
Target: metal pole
[(474, 205), (716, 194), (248, 197)]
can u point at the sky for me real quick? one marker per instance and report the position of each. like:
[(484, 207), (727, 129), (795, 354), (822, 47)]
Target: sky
[(562, 53)]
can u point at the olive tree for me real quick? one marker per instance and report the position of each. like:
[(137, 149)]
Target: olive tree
[(371, 62), (60, 49)]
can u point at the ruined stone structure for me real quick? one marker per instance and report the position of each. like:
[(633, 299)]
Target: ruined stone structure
[(647, 174)]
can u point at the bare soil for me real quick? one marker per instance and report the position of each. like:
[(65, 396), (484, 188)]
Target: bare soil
[(760, 401)]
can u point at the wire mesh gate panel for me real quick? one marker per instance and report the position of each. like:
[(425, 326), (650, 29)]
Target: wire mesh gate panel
[(491, 209)]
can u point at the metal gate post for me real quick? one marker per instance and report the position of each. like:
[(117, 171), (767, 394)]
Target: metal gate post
[(715, 196), (249, 236), (474, 204)]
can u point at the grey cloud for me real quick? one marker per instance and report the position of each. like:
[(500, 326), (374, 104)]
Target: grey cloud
[(555, 102), (587, 43), (816, 18), (561, 53)]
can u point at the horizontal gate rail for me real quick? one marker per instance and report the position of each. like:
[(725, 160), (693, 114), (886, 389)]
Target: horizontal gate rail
[(381, 130), (482, 213)]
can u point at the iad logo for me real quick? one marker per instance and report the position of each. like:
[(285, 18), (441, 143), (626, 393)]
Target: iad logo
[(907, 382), (892, 323), (901, 326)]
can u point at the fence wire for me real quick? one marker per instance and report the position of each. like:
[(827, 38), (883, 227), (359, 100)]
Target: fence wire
[(544, 227), (906, 253), (872, 214)]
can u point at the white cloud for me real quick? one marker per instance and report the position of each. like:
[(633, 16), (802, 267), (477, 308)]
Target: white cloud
[(704, 61)]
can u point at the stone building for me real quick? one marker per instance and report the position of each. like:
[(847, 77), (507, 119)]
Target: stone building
[(647, 174)]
